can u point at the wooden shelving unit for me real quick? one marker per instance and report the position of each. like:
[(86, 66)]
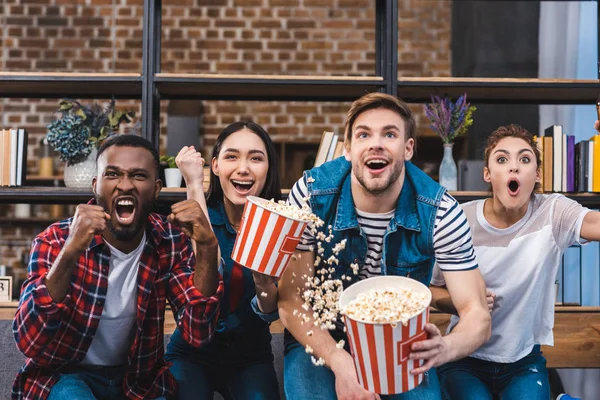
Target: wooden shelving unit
[(579, 334), (260, 87), (57, 85), (502, 90)]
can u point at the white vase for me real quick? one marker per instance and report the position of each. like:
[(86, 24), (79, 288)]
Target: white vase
[(79, 175), (448, 172), (173, 177)]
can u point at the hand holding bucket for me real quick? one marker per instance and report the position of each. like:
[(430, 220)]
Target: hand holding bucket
[(381, 350), (267, 238)]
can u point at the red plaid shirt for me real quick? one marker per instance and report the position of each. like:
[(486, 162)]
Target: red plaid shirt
[(57, 335)]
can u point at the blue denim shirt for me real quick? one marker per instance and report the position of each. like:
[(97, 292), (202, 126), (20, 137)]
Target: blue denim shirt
[(408, 248), (246, 316)]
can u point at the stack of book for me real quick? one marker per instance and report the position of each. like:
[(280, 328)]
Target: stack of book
[(13, 157), (331, 147), (568, 166)]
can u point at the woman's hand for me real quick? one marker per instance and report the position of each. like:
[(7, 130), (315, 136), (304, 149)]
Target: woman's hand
[(191, 164), (266, 292)]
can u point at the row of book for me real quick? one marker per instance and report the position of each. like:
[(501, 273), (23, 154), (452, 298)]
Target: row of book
[(13, 157), (330, 148), (568, 166)]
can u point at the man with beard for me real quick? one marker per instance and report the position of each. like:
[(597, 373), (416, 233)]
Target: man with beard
[(91, 314), (396, 221)]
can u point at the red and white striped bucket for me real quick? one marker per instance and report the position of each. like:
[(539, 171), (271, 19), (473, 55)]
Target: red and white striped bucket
[(381, 351), (266, 239)]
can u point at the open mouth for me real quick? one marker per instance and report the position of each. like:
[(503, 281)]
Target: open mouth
[(125, 210), (513, 186), (242, 186), (376, 165)]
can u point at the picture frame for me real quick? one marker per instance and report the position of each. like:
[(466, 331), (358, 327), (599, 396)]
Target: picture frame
[(5, 288)]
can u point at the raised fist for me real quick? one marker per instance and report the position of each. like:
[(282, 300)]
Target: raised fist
[(89, 220)]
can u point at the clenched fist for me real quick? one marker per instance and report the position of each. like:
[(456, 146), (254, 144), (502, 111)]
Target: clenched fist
[(191, 165), (89, 220), (192, 220)]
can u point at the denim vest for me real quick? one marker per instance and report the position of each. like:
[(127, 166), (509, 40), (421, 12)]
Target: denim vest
[(243, 318), (408, 241)]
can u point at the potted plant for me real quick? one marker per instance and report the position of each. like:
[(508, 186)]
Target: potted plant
[(172, 173), (449, 120), (77, 134)]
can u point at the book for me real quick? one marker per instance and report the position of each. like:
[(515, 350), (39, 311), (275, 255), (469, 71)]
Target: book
[(332, 147), (323, 150), (590, 168), (570, 164), (581, 165), (539, 142), (556, 133), (13, 156), (595, 143), (6, 158), (22, 141), (339, 150), (548, 169), (2, 157)]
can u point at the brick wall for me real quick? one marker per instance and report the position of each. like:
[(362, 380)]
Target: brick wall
[(293, 37)]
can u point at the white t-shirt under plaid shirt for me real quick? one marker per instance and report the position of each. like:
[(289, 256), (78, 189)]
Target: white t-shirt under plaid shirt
[(452, 241), (519, 264)]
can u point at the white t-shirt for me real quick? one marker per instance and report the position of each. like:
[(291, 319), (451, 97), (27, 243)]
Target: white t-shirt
[(520, 264), (452, 241), (112, 340)]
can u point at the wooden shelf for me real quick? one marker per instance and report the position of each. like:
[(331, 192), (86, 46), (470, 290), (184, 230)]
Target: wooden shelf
[(64, 195), (265, 87), (501, 90), (13, 221), (77, 85)]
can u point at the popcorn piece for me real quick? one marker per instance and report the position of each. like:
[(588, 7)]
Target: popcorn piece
[(263, 294), (310, 179), (340, 344), (318, 363), (309, 349), (388, 305), (309, 333)]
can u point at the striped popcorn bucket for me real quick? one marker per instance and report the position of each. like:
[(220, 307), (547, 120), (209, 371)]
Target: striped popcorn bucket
[(381, 351), (266, 239)]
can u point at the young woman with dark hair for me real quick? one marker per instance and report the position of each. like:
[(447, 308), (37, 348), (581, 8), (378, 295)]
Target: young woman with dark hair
[(238, 362)]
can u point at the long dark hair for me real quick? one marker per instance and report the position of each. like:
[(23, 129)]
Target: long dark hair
[(272, 189)]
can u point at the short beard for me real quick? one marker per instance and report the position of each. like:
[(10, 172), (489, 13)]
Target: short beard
[(394, 176)]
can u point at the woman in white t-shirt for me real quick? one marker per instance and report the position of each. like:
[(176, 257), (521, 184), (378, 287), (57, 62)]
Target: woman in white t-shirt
[(519, 238)]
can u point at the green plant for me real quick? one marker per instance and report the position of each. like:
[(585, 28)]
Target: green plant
[(80, 128), (170, 160)]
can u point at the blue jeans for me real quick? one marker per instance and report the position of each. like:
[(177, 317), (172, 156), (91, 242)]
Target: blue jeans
[(91, 383), (236, 365), (303, 380), (471, 378)]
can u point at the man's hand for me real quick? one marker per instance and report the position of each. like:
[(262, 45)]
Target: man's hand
[(191, 164), (491, 298), (347, 386), (192, 220), (89, 220), (435, 350)]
